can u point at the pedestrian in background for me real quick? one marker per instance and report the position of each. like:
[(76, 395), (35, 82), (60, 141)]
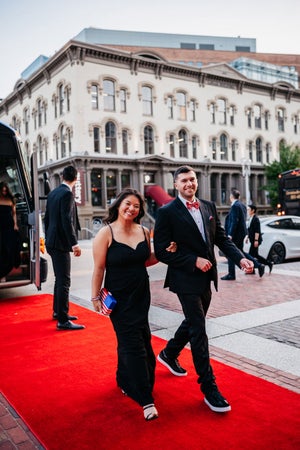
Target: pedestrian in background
[(255, 237), (61, 235), (195, 227), (236, 228)]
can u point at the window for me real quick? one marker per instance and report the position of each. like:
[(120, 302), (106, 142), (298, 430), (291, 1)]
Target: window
[(170, 103), (68, 98), (296, 124), (110, 138), (96, 133), (69, 142), (222, 111), (231, 115), (125, 142), (193, 110), (268, 152), (251, 150), (181, 103), (212, 110), (109, 95), (94, 97), (111, 185), (96, 184), (62, 143), (224, 147), (258, 146), (125, 179), (148, 140), (26, 120), (123, 106), (40, 150), (194, 147), (61, 97), (147, 100), (214, 148), (266, 117), (280, 118), (172, 145), (39, 112), (182, 140), (257, 116), (233, 149), (249, 118)]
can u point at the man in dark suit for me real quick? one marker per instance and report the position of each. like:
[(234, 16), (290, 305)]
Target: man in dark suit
[(61, 229), (236, 228), (195, 227), (255, 237)]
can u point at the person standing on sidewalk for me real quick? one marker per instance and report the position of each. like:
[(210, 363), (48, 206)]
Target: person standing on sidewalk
[(255, 237), (61, 230), (195, 227), (236, 228)]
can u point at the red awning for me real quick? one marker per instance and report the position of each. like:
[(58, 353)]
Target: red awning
[(158, 194)]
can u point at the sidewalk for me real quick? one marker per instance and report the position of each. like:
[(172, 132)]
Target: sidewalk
[(253, 324)]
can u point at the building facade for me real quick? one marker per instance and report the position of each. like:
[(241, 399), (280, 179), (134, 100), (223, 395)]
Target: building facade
[(128, 118)]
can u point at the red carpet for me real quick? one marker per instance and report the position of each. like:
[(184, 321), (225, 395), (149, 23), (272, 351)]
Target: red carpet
[(63, 385)]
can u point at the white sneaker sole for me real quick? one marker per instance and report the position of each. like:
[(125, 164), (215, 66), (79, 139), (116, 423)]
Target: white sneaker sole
[(217, 409), (170, 368)]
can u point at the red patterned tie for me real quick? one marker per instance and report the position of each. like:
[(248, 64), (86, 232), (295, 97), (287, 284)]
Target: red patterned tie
[(191, 205)]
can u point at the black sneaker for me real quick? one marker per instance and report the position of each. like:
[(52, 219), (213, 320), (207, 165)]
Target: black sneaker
[(171, 364), (215, 400)]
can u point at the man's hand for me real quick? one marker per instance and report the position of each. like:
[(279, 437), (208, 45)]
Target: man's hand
[(76, 250), (203, 264), (246, 265)]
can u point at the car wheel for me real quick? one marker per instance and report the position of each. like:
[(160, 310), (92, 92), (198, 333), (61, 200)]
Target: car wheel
[(277, 253)]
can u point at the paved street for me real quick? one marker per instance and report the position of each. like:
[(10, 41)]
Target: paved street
[(253, 323)]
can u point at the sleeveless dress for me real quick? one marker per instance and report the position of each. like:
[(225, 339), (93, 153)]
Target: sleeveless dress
[(128, 280), (9, 244)]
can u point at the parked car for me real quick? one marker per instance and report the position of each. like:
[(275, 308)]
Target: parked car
[(281, 238)]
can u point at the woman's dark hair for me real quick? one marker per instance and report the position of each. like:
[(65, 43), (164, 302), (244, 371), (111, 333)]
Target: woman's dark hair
[(113, 209), (9, 193)]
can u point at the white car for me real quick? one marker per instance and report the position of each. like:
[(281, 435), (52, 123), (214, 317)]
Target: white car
[(281, 238)]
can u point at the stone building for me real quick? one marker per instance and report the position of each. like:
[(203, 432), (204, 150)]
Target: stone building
[(131, 118)]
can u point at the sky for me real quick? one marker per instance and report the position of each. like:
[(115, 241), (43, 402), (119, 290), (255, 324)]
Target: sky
[(30, 28)]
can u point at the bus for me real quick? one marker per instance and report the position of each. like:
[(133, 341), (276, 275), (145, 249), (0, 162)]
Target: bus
[(289, 193), (20, 174)]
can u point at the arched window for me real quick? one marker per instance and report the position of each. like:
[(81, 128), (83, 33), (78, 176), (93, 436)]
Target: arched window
[(170, 104), (212, 110), (214, 148), (182, 140), (233, 149), (147, 100), (280, 118), (40, 150), (62, 143), (193, 110), (110, 138), (257, 116), (26, 120), (231, 115), (123, 106), (61, 98), (268, 153), (125, 142), (148, 140), (224, 147), (194, 147), (94, 97), (249, 118), (258, 146), (39, 112), (266, 117), (181, 104), (109, 95), (222, 111), (96, 135), (172, 145)]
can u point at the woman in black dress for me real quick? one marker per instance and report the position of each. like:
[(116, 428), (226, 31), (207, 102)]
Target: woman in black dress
[(121, 251), (9, 248)]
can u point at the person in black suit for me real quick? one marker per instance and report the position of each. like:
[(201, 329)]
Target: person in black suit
[(61, 230), (255, 237), (236, 228), (195, 227)]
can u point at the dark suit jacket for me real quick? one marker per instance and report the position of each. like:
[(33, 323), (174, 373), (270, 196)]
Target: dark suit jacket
[(235, 223), (61, 219), (175, 223), (253, 229)]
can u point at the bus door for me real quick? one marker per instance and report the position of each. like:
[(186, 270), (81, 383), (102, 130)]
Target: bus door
[(19, 249)]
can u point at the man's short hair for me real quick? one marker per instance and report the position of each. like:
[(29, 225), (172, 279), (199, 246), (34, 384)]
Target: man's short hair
[(253, 208), (235, 194), (182, 169), (69, 173)]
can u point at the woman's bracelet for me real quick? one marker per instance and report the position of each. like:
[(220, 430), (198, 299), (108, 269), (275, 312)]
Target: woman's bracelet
[(95, 299)]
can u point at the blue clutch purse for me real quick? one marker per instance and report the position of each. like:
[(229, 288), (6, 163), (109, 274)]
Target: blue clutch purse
[(108, 302)]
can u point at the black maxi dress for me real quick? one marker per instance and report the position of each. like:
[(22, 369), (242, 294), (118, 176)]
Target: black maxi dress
[(128, 280)]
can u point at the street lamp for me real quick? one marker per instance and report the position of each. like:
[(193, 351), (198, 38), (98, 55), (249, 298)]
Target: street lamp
[(246, 167)]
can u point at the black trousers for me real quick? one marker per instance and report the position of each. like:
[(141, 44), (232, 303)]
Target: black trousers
[(254, 252), (193, 330), (61, 262)]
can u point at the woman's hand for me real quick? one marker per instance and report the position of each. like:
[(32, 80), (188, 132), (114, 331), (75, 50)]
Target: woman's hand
[(172, 247)]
